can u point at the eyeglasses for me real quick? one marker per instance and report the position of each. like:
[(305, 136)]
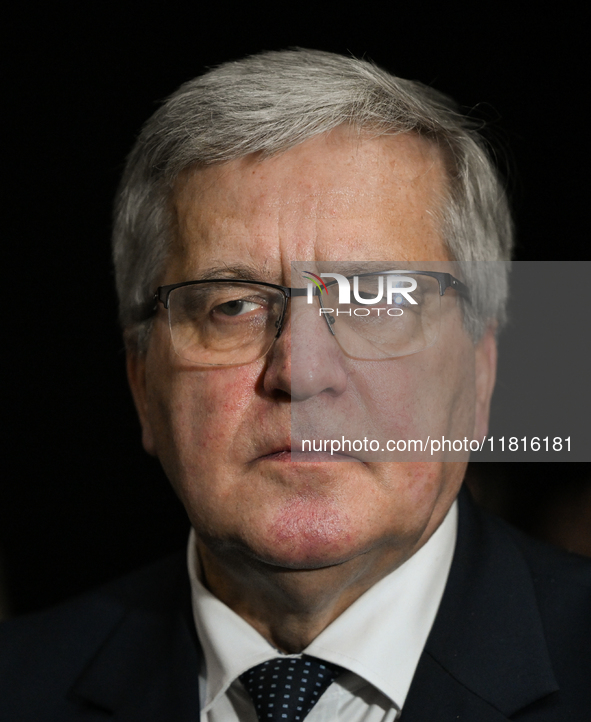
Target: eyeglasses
[(230, 322)]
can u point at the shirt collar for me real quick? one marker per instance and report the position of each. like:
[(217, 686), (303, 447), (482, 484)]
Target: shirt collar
[(380, 637), (230, 645)]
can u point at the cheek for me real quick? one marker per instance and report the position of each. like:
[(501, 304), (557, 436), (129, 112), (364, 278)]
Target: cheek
[(198, 415), (387, 393), (460, 394), (412, 486), (403, 398), (430, 394), (443, 385)]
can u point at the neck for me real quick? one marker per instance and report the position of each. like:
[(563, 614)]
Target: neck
[(291, 607)]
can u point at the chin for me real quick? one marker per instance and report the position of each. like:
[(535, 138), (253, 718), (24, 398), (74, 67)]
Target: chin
[(306, 557), (309, 535)]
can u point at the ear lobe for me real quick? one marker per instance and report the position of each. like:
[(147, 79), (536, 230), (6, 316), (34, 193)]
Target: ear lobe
[(485, 376), (136, 375)]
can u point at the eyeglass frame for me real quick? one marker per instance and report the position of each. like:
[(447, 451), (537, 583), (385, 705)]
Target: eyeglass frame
[(445, 281)]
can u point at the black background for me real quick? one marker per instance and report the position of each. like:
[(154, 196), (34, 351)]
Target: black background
[(80, 501)]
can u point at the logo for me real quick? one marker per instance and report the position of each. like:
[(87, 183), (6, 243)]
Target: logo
[(398, 288), (317, 281)]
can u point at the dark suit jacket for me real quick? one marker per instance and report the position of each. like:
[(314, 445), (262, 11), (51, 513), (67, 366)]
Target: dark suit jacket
[(512, 640)]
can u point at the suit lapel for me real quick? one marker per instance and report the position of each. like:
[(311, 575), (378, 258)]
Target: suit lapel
[(148, 668), (436, 694), (486, 657)]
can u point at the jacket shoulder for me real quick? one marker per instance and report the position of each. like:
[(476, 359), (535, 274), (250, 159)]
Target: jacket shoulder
[(512, 637), (549, 564), (43, 654), (562, 583)]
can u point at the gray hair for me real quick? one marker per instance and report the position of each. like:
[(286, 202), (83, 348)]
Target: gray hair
[(270, 102)]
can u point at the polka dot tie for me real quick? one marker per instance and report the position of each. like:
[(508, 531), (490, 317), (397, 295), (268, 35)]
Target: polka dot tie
[(286, 689)]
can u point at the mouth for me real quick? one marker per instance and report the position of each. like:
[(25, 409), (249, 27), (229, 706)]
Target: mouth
[(322, 457), (281, 454), (293, 455)]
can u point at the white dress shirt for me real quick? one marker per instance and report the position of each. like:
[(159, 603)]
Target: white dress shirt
[(378, 639)]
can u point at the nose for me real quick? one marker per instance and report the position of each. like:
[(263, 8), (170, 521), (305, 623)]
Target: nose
[(305, 360)]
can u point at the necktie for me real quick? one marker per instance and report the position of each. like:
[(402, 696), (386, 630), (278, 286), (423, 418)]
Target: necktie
[(286, 689)]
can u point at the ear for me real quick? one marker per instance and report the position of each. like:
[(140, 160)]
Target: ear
[(485, 376), (136, 375)]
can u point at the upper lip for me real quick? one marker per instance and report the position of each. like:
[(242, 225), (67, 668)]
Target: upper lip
[(268, 448), (279, 448)]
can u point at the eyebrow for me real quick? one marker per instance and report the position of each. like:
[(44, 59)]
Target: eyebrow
[(358, 268), (225, 270)]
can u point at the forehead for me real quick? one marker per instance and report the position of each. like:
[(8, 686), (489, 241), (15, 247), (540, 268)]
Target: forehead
[(339, 196)]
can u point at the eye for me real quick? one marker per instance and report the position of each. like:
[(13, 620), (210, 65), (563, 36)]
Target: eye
[(236, 307), (365, 295), (400, 300)]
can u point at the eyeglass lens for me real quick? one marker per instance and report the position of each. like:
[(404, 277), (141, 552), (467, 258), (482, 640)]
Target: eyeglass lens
[(222, 323), (375, 325)]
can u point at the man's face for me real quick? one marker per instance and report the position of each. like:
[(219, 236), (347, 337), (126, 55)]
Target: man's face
[(222, 434)]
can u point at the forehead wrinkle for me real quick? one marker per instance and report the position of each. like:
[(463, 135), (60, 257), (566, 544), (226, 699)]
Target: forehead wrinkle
[(288, 214), (389, 158)]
